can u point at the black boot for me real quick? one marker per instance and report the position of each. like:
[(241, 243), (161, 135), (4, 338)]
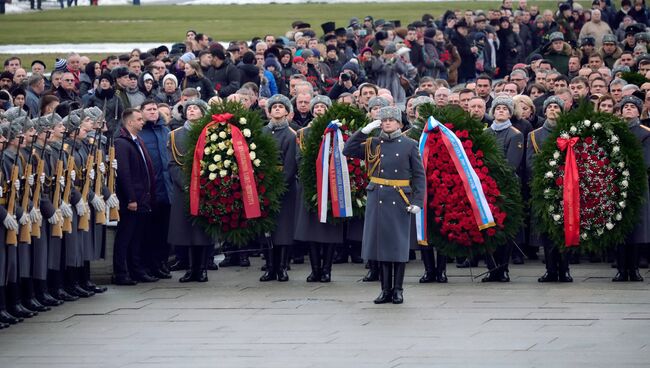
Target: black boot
[(355, 253), (622, 274), (43, 295), (341, 254), (551, 274), (5, 316), (429, 265), (243, 260), (283, 261), (373, 272), (315, 262), (28, 298), (55, 279), (190, 274), (72, 283), (492, 265), (201, 270), (88, 285), (633, 263), (328, 255), (386, 295), (269, 270), (398, 280), (14, 307), (565, 275), (441, 268)]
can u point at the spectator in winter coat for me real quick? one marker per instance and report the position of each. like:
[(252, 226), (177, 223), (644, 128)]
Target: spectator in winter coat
[(388, 68), (596, 28), (92, 70), (170, 93), (467, 52), (223, 75), (105, 99), (194, 79), (248, 71)]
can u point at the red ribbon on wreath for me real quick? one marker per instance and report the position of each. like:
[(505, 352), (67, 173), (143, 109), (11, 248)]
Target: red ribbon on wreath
[(571, 193), (250, 198)]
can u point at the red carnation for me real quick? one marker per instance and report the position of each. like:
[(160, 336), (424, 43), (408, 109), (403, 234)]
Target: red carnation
[(589, 140)]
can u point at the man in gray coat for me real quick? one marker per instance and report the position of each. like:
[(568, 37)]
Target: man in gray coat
[(396, 191)]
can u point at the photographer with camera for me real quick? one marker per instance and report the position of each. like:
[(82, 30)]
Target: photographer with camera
[(348, 81)]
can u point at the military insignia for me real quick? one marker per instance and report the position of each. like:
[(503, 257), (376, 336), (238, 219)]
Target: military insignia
[(520, 145)]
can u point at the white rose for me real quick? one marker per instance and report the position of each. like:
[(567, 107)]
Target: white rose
[(222, 135), (557, 218), (552, 163), (614, 139), (551, 208), (556, 155), (217, 158), (207, 150), (242, 121), (597, 126), (621, 164), (565, 135), (621, 204), (626, 173), (213, 137), (212, 167), (247, 133), (599, 231), (573, 129), (253, 155), (359, 203), (222, 146), (616, 149), (202, 172), (587, 123), (609, 226), (227, 163), (624, 194), (618, 217), (548, 175), (223, 173), (230, 152), (212, 176), (624, 183), (257, 162), (583, 236), (253, 146)]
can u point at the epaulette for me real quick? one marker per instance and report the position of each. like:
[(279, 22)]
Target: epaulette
[(515, 129), (645, 128)]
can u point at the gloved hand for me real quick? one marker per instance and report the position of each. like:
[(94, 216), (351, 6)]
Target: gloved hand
[(98, 204), (24, 219), (56, 218), (66, 210), (371, 126), (10, 223), (73, 175), (35, 215), (114, 164), (102, 168), (413, 209), (91, 174), (41, 178), (30, 180), (62, 181), (17, 185), (81, 207), (112, 201)]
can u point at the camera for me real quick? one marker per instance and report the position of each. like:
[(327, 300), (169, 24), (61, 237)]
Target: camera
[(345, 77)]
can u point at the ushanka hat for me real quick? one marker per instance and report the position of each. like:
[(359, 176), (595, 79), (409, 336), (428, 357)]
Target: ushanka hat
[(554, 100), (319, 99), (505, 101), (278, 99), (390, 112)]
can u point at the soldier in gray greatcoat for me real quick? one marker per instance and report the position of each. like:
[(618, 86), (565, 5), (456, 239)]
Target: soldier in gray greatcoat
[(557, 265), (321, 237), (278, 108), (511, 142), (627, 254), (181, 230), (395, 192)]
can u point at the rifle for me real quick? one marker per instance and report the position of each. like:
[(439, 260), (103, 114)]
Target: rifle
[(100, 217), (40, 170), (67, 222), (84, 221), (12, 237), (25, 233), (114, 214), (57, 229)]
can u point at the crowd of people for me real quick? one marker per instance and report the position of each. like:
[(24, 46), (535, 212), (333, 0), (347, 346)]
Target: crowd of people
[(515, 68)]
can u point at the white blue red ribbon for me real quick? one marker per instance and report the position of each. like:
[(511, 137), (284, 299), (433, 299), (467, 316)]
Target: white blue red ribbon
[(332, 170), (471, 182)]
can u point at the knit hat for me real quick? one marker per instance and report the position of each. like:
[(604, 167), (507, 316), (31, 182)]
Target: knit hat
[(306, 53), (505, 101), (319, 99), (298, 59), (352, 65), (609, 38), (390, 112), (554, 100), (172, 77), (7, 75), (60, 64), (556, 36), (377, 101), (146, 77), (632, 100), (381, 35), (106, 75), (421, 100), (47, 122), (278, 99), (187, 57), (272, 61), (196, 102)]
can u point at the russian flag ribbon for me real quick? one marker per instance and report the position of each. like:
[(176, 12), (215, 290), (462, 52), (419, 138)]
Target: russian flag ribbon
[(332, 176), (471, 182)]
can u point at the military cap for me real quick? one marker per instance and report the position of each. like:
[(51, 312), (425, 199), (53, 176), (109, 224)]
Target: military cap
[(554, 100), (642, 36), (319, 99), (390, 112), (556, 36), (633, 29), (632, 100), (278, 99), (609, 38), (505, 101), (377, 101)]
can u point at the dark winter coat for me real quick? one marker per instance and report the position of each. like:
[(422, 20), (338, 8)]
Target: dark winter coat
[(155, 135), (203, 85), (225, 79), (135, 178)]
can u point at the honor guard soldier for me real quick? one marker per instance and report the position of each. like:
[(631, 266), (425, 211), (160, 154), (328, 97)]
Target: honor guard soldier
[(557, 264), (278, 108), (395, 192), (322, 238), (182, 233), (511, 142), (627, 254)]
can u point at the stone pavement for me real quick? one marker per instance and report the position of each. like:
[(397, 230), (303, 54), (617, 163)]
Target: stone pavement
[(236, 321)]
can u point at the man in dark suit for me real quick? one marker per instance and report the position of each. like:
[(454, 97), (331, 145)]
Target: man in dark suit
[(135, 185)]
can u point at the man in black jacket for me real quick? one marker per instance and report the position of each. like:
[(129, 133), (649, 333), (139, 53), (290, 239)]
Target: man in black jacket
[(135, 185), (223, 74)]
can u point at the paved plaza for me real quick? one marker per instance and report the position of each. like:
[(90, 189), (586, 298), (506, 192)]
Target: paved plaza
[(236, 321)]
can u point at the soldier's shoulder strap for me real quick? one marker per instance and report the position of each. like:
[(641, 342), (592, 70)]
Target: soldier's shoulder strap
[(515, 129), (175, 153), (644, 128), (534, 141)]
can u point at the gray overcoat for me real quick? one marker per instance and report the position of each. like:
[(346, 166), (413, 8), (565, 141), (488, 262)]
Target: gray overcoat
[(641, 232)]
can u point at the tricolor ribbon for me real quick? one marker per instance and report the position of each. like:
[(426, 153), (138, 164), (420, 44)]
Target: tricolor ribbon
[(570, 193), (250, 198), (332, 171), (471, 182)]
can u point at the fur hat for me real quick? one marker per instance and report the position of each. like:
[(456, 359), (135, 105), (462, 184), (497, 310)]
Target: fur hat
[(632, 100), (421, 100), (14, 113), (47, 122), (390, 112), (319, 99), (93, 113), (609, 38), (278, 99), (377, 101), (505, 101), (556, 36), (196, 102), (553, 100), (15, 128), (73, 120)]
